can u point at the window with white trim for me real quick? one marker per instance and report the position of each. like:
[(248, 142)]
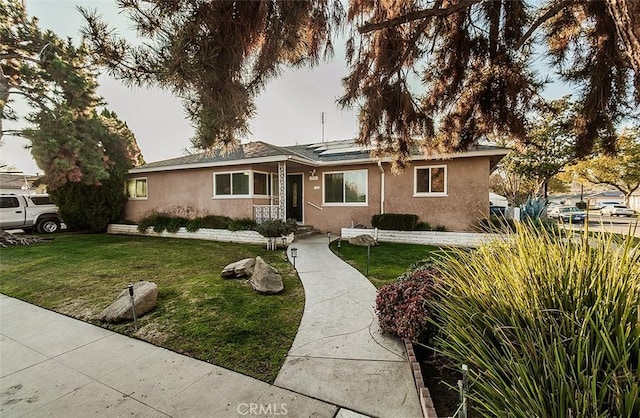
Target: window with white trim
[(345, 188), (137, 188), (430, 181), (241, 184)]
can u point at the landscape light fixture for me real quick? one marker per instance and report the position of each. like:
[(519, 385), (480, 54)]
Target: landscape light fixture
[(339, 245), (329, 237), (294, 254)]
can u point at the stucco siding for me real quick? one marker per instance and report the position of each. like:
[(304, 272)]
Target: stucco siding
[(466, 199), (189, 193), (333, 217)]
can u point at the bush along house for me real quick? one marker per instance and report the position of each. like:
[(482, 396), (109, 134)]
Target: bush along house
[(328, 185)]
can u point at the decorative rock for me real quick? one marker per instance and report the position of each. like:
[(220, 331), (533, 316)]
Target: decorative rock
[(363, 240), (242, 268), (145, 295), (265, 278)]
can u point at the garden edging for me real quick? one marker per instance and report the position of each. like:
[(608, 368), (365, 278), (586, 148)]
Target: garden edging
[(426, 403), (222, 235), (454, 239)]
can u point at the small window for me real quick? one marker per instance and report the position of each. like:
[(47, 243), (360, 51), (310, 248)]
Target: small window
[(430, 181), (231, 184), (137, 188), (8, 202), (348, 187), (261, 184), (240, 183)]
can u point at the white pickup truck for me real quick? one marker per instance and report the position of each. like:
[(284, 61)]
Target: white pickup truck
[(29, 212)]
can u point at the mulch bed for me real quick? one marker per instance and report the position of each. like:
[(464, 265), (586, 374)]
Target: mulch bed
[(442, 382)]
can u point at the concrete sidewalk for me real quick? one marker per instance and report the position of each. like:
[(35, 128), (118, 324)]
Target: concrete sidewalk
[(339, 354), (55, 366), (339, 364)]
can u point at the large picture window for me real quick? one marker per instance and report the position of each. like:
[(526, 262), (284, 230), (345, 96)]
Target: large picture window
[(241, 184), (430, 181), (136, 188), (345, 188)]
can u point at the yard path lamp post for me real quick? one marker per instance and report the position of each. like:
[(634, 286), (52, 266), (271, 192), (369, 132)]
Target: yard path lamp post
[(133, 307), (329, 237), (339, 245), (294, 254), (368, 258)]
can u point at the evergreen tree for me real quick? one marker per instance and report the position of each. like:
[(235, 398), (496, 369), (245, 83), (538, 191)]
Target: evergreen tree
[(85, 154), (438, 74)]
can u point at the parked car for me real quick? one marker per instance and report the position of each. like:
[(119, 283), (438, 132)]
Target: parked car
[(601, 205), (571, 214), (617, 210), (28, 212), (553, 210)]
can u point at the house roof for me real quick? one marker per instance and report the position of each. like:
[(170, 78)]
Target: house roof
[(316, 154), (15, 181)]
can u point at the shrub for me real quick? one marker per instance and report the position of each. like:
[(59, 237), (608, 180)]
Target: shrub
[(151, 220), (193, 224), (402, 306), (175, 223), (423, 226), (276, 228), (215, 222), (548, 326), (242, 224), (395, 221)]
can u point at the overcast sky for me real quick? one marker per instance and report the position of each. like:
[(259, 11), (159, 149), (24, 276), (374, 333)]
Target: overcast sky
[(288, 111)]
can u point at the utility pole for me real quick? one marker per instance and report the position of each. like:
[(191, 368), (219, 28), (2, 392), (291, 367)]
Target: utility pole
[(322, 127)]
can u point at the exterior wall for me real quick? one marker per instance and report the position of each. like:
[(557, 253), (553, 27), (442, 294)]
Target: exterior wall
[(466, 200), (189, 193), (332, 218)]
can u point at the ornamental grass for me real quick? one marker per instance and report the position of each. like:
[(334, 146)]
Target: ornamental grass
[(548, 325)]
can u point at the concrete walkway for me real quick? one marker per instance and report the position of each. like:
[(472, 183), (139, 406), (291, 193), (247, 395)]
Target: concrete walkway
[(339, 354), (55, 366), (339, 365)]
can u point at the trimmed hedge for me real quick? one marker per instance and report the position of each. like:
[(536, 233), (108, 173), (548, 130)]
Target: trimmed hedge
[(395, 221)]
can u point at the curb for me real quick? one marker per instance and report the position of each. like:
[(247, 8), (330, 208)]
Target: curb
[(426, 403)]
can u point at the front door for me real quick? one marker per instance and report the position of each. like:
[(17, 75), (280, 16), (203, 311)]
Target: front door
[(295, 200)]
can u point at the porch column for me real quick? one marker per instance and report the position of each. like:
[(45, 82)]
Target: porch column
[(282, 190)]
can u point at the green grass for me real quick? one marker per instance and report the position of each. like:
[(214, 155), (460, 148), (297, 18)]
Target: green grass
[(388, 260), (198, 313)]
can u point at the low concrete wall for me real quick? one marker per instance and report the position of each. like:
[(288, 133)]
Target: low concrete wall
[(453, 239), (223, 235)]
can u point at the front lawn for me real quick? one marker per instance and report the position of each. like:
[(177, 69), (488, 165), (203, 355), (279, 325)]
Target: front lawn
[(198, 313), (388, 260)]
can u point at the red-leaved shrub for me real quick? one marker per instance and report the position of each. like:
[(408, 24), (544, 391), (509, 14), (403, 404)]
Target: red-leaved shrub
[(402, 307)]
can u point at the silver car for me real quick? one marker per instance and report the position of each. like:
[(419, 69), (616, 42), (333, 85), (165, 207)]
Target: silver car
[(617, 210)]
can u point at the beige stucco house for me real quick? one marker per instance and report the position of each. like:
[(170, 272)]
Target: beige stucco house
[(328, 185)]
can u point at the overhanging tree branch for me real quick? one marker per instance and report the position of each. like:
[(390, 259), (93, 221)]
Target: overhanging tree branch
[(421, 14), (540, 20)]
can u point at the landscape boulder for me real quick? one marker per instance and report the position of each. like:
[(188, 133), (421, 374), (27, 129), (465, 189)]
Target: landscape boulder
[(242, 268), (363, 240), (145, 295), (265, 279)]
